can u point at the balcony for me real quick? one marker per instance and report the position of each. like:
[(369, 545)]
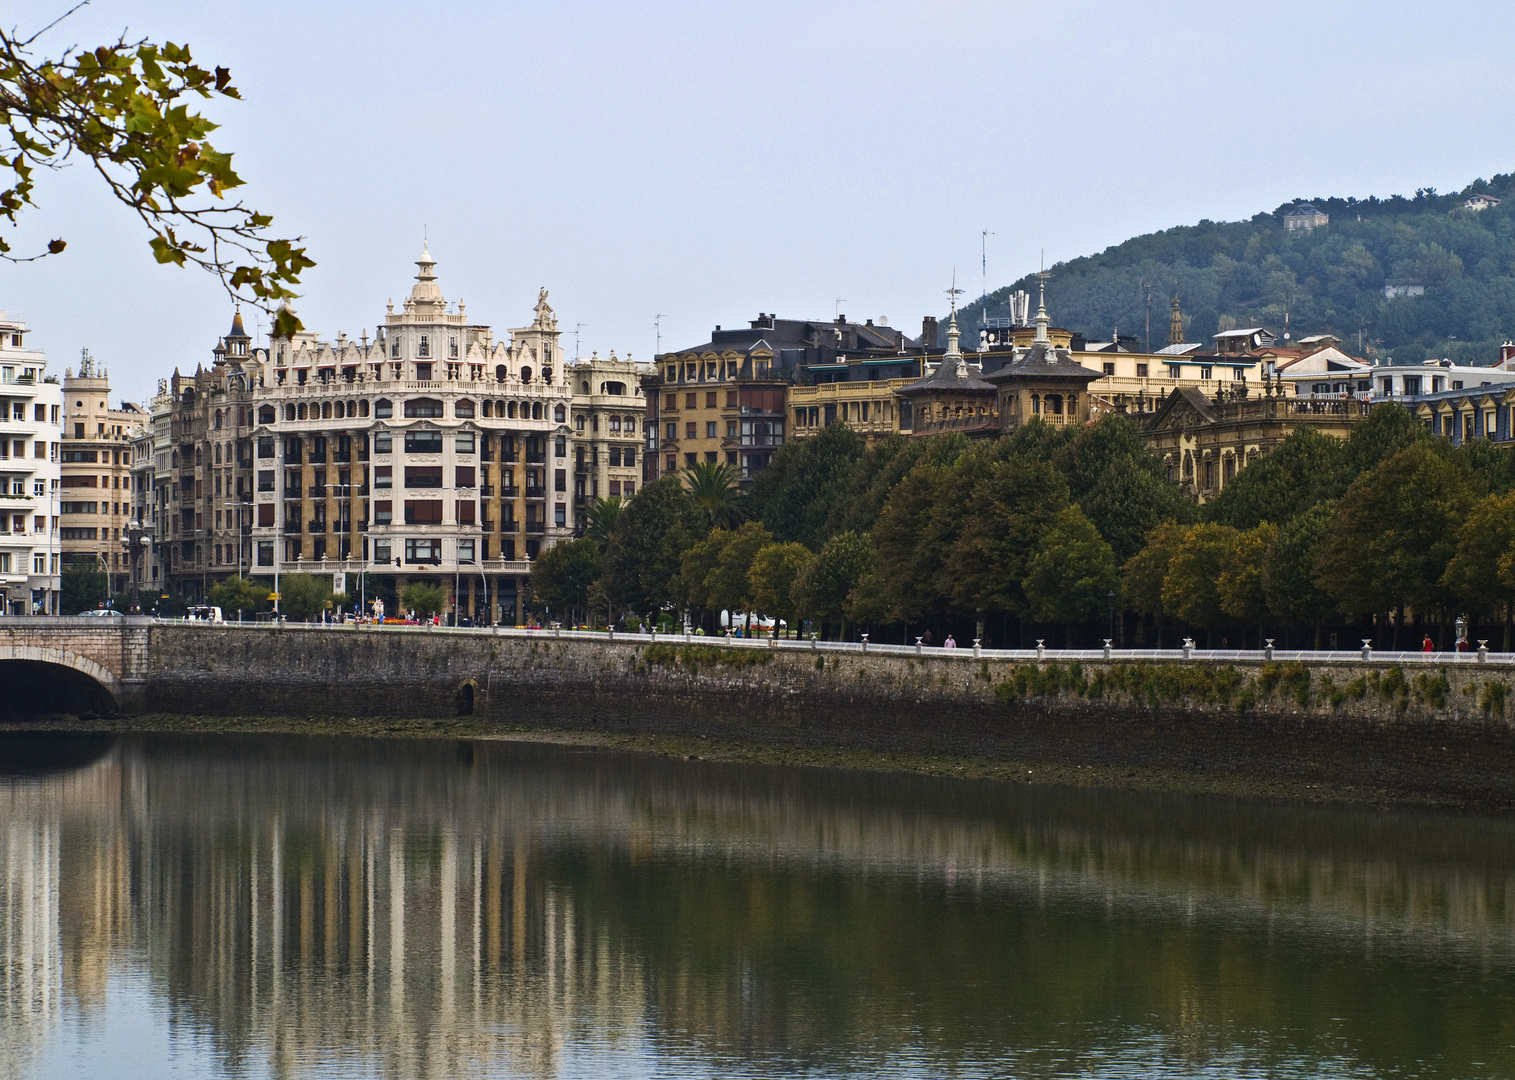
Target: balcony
[(486, 491), (536, 526), (537, 459), (510, 526), (292, 528), (316, 491), (533, 492), (581, 468), (510, 491), (291, 492), (318, 526)]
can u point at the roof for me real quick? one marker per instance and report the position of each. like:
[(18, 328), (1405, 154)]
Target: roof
[(1043, 362), (1247, 332), (1486, 198), (1179, 350), (950, 375), (1302, 210), (1183, 397)]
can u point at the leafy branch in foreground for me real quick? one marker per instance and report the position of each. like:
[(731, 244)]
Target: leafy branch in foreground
[(125, 109)]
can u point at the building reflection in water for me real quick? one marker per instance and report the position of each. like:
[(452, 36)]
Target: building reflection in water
[(442, 910)]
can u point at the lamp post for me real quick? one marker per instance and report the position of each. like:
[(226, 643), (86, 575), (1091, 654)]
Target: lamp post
[(135, 542)]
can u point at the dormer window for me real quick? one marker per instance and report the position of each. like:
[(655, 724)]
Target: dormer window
[(424, 348)]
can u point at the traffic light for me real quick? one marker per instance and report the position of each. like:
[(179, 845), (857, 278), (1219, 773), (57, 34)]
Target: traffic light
[(397, 560)]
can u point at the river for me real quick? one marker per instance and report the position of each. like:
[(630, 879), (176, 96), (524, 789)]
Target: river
[(262, 906)]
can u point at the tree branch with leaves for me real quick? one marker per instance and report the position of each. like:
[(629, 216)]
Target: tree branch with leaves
[(126, 110)]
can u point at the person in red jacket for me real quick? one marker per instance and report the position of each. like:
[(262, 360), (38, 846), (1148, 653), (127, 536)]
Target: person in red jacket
[(1426, 646)]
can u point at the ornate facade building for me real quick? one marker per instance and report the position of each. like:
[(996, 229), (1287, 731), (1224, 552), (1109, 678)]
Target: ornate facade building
[(608, 417), (430, 453)]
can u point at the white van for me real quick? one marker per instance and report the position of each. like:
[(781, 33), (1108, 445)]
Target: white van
[(204, 613)]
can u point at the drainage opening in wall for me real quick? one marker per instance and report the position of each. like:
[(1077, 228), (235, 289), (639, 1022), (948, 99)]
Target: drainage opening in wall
[(465, 696)]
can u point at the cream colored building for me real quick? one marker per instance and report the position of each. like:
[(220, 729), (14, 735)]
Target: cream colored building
[(609, 439), (96, 500)]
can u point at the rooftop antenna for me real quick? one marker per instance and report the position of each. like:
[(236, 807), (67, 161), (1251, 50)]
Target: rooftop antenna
[(983, 258), (657, 321), (1146, 288), (576, 328)]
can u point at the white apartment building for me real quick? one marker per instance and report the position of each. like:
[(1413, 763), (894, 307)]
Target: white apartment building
[(608, 439), (31, 403)]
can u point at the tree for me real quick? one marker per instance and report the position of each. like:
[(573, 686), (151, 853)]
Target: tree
[(695, 567), (1388, 429), (1144, 573), (712, 488), (727, 581), (1305, 468), (124, 109), (83, 585), (562, 575), (238, 595), (1191, 587), (1478, 575), (805, 483), (1127, 500), (1072, 573), (774, 570), (1289, 575), (304, 595), (642, 560), (824, 586), (910, 568), (1395, 531), (422, 599), (604, 515), (1242, 593)]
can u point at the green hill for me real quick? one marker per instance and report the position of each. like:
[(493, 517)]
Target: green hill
[(1328, 280)]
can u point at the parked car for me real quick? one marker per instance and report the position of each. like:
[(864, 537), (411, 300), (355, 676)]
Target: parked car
[(102, 613), (204, 613)]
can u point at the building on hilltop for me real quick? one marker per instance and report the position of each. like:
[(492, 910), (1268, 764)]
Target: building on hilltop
[(31, 405), (1305, 216), (1481, 202), (1404, 287), (96, 500)]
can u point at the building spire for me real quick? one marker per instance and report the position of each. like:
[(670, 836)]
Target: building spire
[(954, 353), (1042, 322), (1176, 325)]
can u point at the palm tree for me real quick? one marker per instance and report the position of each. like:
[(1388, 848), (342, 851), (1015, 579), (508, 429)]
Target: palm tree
[(604, 516), (712, 486)]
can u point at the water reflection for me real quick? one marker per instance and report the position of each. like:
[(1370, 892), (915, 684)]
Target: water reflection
[(427, 909)]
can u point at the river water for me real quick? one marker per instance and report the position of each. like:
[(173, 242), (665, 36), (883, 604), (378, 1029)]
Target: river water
[(302, 907)]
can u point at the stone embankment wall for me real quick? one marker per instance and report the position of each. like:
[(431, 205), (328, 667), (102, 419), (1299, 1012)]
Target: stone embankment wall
[(1377, 726)]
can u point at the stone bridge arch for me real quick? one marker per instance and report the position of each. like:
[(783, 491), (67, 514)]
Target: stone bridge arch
[(44, 678)]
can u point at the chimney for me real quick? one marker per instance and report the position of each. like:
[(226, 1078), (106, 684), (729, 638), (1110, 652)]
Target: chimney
[(928, 332), (1507, 355)]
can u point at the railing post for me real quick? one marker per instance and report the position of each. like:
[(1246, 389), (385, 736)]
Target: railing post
[(1483, 651), (1367, 648), (917, 646), (1107, 648), (976, 642), (1188, 647), (865, 642), (1041, 651), (813, 645), (654, 634), (611, 631), (1268, 650)]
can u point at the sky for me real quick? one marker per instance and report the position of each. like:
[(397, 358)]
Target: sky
[(706, 162)]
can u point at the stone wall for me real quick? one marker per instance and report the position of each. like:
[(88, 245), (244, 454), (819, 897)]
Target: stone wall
[(1401, 730)]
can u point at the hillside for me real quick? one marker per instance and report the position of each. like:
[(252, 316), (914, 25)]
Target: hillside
[(1328, 280)]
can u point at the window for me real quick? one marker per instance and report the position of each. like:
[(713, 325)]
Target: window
[(628, 457), (464, 477), (423, 511), (423, 442), (78, 507), (423, 408), (465, 551), (1109, 366), (1141, 371), (615, 456), (383, 443), (690, 400), (464, 409), (671, 401), (423, 551), (78, 456), (383, 476), (1205, 373), (526, 374), (672, 432), (689, 430), (560, 480), (710, 429), (423, 476), (629, 425), (424, 347), (383, 409), (463, 442), (265, 479), (1174, 370), (383, 511), (671, 464), (560, 515), (74, 534), (452, 347), (691, 459), (265, 514), (730, 429), (559, 415)]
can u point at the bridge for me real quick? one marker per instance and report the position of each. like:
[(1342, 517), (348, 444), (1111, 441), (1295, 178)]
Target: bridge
[(73, 664)]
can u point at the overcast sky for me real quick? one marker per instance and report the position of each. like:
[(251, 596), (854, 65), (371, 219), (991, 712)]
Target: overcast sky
[(709, 161)]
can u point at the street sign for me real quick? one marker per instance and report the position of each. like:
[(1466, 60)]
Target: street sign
[(273, 596)]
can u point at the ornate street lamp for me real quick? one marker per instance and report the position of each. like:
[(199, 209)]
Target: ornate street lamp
[(135, 543)]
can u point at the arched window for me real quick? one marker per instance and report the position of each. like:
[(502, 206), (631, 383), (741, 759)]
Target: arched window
[(426, 408), (559, 415), (363, 407), (301, 411), (594, 423), (383, 408), (289, 412), (584, 387), (463, 409), (1055, 404), (266, 414), (488, 409), (218, 453), (536, 410), (629, 425), (218, 419), (615, 423), (512, 409), (526, 374), (1036, 404), (499, 373), (326, 410), (578, 423)]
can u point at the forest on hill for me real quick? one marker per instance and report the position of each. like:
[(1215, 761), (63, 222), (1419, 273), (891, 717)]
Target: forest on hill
[(1326, 280)]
